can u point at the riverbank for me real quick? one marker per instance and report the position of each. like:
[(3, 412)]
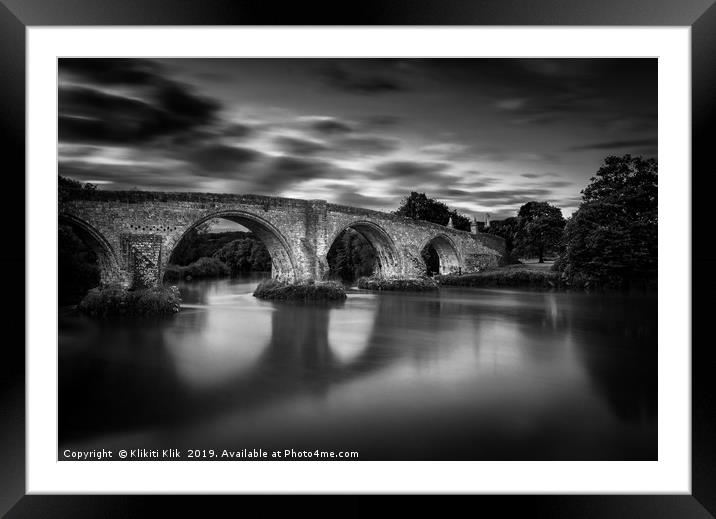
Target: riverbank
[(542, 277), (113, 301), (320, 291)]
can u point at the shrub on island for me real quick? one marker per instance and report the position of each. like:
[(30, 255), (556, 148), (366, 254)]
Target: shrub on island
[(302, 291), (114, 301), (397, 284)]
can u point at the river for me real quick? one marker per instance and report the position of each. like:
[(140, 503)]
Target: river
[(463, 374)]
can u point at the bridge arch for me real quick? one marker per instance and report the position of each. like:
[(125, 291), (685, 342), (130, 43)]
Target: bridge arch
[(107, 261), (283, 262), (387, 256), (450, 260)]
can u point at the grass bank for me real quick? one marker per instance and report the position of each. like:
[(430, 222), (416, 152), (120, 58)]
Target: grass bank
[(303, 291), (398, 285), (117, 301)]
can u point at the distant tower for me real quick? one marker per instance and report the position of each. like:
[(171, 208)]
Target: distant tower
[(450, 223), (474, 229), (487, 220)]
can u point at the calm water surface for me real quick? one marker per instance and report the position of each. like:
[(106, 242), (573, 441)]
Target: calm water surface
[(459, 374)]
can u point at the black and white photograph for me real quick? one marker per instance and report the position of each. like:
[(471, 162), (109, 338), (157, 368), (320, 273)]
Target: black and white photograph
[(349, 259)]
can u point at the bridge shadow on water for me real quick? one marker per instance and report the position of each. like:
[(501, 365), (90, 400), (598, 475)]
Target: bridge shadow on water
[(341, 376)]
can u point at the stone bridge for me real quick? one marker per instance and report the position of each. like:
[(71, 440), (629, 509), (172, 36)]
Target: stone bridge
[(134, 233)]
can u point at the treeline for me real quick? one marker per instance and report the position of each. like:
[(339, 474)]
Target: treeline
[(204, 254)]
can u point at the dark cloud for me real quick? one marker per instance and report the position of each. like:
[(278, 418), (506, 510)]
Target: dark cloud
[(302, 168), (129, 176), (351, 198), (221, 158), (530, 175), (154, 106), (342, 76), (359, 145), (610, 145), (297, 146), (406, 169), (89, 115), (365, 145), (279, 173), (379, 122), (329, 126), (511, 196), (113, 71), (237, 130), (556, 183), (477, 183), (78, 150), (551, 92)]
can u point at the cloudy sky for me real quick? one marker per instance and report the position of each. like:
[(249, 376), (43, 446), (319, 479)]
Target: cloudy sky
[(482, 135)]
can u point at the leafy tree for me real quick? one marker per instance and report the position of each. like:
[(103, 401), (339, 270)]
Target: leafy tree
[(459, 221), (351, 256), (612, 237), (507, 229), (540, 229), (628, 182), (78, 270), (431, 259), (260, 257), (419, 207), (244, 255)]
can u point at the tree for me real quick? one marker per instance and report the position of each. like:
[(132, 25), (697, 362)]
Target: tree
[(419, 207), (627, 182), (612, 237), (540, 229), (460, 222), (507, 229)]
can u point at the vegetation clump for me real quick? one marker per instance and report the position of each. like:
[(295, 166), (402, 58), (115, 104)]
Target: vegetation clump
[(115, 301), (611, 240), (397, 284), (513, 276), (201, 268), (309, 290)]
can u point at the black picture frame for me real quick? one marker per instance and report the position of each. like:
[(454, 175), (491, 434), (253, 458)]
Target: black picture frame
[(17, 15)]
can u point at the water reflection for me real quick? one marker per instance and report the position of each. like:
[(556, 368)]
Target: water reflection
[(461, 374)]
